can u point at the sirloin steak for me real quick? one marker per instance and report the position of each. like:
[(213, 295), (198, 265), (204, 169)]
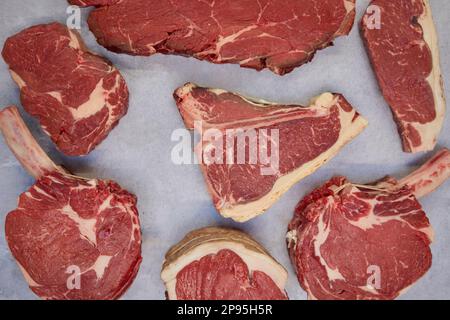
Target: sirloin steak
[(222, 264), (349, 241), (77, 96), (404, 53), (307, 138), (276, 34), (73, 238)]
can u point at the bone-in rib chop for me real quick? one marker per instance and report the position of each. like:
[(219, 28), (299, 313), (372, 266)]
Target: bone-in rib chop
[(72, 238)]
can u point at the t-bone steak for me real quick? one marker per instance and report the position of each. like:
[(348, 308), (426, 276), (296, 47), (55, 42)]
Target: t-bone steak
[(350, 241), (402, 43), (222, 264), (276, 34), (77, 96), (73, 238), (307, 137)]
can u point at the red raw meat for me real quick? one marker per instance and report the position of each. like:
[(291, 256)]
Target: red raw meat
[(276, 34), (404, 53), (77, 96), (308, 138), (343, 233), (222, 264), (64, 222)]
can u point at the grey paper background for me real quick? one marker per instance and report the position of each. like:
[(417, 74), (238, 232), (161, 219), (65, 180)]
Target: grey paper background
[(173, 199)]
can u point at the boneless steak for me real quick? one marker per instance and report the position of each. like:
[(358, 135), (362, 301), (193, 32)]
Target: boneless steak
[(276, 34), (350, 241), (222, 264), (73, 238), (77, 96), (403, 49), (307, 138)]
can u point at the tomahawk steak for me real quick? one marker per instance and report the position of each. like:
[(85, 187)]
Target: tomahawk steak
[(402, 43), (350, 241), (72, 238), (222, 264), (77, 96), (276, 34), (306, 138)]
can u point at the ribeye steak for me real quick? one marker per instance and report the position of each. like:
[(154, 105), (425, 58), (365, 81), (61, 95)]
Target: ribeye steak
[(276, 34), (222, 264), (77, 96), (350, 241), (403, 49), (73, 238), (307, 138)]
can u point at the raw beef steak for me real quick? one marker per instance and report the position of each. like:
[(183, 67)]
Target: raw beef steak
[(307, 137), (276, 34), (222, 264), (73, 238), (350, 241), (77, 96), (404, 53)]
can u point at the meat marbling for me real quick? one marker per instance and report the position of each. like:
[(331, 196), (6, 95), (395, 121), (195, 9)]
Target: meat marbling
[(222, 264), (349, 241), (77, 96), (73, 238), (308, 138), (276, 34), (404, 53)]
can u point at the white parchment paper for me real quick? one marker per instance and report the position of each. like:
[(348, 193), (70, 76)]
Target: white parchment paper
[(173, 200)]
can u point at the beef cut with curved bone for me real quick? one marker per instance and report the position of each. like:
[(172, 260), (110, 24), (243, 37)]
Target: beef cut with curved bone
[(307, 137), (222, 264), (73, 238), (77, 96), (276, 34), (350, 241), (402, 43)]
